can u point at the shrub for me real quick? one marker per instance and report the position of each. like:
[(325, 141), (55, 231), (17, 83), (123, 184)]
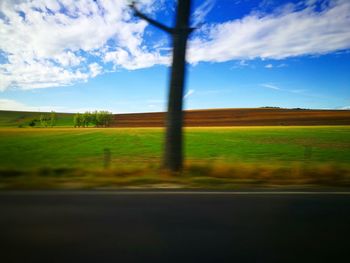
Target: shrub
[(33, 122)]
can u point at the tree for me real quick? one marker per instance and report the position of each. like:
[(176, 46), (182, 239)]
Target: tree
[(86, 119), (33, 122), (44, 120), (106, 118), (103, 118), (93, 118), (173, 155), (96, 118), (77, 120), (99, 119), (53, 117), (109, 118)]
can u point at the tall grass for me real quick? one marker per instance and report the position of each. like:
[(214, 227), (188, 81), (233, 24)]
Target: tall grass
[(195, 175)]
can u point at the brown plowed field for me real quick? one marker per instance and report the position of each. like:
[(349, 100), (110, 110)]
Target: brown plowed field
[(239, 117)]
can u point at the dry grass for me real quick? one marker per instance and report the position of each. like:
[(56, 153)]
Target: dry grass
[(274, 174), (195, 175)]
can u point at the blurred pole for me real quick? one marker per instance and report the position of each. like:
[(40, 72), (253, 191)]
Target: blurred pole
[(173, 154)]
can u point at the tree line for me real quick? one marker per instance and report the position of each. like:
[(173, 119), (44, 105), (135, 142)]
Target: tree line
[(45, 120), (96, 118)]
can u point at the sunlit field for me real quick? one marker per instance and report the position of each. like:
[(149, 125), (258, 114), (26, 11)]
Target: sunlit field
[(215, 157)]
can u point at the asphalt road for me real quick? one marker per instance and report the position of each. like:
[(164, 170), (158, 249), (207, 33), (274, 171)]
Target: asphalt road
[(174, 227)]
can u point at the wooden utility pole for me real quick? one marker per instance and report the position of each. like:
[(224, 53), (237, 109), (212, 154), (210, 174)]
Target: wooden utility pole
[(173, 155)]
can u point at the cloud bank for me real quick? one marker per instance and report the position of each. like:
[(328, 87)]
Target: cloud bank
[(55, 43), (309, 28), (62, 42)]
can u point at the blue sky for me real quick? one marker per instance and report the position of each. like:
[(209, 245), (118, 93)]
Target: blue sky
[(71, 56)]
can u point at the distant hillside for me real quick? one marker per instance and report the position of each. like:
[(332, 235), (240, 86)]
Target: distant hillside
[(22, 118), (201, 118), (239, 117)]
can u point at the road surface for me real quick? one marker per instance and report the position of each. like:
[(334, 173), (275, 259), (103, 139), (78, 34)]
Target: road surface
[(138, 226)]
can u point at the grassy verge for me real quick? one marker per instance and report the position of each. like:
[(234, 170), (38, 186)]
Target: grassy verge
[(214, 176)]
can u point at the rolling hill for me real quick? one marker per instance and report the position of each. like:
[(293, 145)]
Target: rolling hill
[(23, 118), (201, 118), (239, 117)]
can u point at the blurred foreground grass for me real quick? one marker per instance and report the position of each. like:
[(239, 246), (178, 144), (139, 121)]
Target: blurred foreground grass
[(222, 158), (214, 176)]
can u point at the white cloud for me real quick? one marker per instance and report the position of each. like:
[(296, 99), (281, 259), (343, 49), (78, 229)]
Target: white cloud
[(13, 105), (69, 59), (37, 74), (136, 60), (212, 92), (6, 104), (202, 11), (189, 93), (95, 69), (287, 32), (269, 66), (270, 86), (241, 64), (49, 43), (300, 92)]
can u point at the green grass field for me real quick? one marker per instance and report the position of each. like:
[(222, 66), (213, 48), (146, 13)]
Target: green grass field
[(214, 156)]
